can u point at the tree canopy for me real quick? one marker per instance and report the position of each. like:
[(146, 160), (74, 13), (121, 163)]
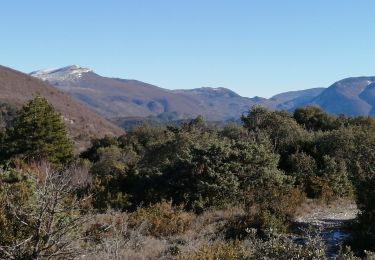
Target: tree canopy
[(38, 132)]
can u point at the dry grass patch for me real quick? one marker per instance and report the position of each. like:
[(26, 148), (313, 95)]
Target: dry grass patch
[(217, 250)]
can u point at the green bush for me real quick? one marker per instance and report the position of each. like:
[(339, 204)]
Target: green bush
[(109, 174), (314, 118), (302, 167), (284, 132), (15, 191)]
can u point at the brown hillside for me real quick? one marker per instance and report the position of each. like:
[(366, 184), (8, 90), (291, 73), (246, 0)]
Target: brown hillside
[(16, 88)]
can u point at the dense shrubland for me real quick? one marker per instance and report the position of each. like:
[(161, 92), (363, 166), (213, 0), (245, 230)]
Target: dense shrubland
[(191, 192)]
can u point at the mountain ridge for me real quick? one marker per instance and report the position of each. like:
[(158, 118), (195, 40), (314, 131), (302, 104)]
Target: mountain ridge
[(346, 97), (117, 98)]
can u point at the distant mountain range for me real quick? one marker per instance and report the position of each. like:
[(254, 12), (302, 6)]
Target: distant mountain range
[(131, 102), (127, 102), (17, 88), (118, 98)]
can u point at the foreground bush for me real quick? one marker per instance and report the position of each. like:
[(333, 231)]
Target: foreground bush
[(162, 219), (362, 158), (40, 217), (276, 216), (279, 247), (271, 248), (218, 250), (105, 226)]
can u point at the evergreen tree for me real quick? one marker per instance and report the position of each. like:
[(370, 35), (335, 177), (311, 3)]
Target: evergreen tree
[(39, 132)]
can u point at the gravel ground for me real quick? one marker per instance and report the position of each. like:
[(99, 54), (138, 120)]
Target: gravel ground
[(328, 221), (327, 215)]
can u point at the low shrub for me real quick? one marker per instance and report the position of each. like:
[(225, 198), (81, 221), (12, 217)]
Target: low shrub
[(218, 250), (272, 247), (279, 247), (162, 219), (106, 225), (262, 222), (318, 188)]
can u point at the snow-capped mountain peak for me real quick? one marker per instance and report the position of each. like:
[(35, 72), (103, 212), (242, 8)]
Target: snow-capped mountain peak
[(66, 73)]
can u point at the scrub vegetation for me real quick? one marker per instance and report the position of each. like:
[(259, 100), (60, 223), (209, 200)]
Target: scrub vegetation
[(194, 191)]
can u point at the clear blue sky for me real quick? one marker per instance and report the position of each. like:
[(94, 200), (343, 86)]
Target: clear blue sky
[(259, 47)]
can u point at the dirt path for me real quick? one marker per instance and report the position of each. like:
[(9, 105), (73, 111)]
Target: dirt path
[(329, 221), (326, 215)]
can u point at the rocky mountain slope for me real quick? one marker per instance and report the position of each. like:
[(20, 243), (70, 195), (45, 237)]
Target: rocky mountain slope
[(16, 88)]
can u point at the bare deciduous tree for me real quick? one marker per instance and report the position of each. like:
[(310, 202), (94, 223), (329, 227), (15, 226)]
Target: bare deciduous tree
[(51, 215)]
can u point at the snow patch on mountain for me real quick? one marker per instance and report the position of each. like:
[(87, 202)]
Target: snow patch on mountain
[(72, 72)]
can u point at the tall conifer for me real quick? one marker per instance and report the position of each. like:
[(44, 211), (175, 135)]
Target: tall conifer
[(39, 132)]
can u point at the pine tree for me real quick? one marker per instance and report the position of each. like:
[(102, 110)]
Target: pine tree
[(39, 132)]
